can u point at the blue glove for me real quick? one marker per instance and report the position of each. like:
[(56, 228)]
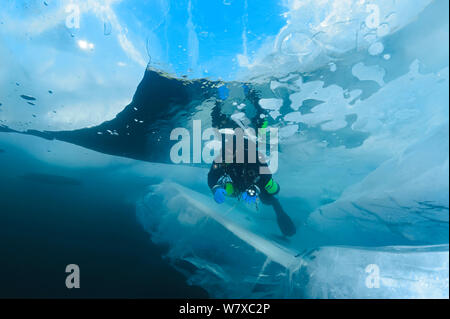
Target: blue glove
[(219, 195), (249, 199)]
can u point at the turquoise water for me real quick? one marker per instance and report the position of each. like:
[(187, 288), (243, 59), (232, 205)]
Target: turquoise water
[(90, 92)]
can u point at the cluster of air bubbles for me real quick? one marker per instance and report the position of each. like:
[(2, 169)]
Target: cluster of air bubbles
[(110, 132), (239, 106)]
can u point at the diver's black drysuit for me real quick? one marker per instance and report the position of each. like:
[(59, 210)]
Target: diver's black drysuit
[(245, 176)]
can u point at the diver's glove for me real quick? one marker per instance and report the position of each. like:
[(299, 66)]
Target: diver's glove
[(219, 194), (250, 195)]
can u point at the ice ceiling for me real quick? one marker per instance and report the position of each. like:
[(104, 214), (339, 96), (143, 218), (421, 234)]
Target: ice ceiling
[(65, 55)]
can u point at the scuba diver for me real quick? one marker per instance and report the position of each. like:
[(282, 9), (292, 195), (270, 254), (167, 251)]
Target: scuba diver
[(243, 180)]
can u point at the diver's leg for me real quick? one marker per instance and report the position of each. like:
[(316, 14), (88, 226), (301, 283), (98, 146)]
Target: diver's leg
[(285, 223), (265, 198)]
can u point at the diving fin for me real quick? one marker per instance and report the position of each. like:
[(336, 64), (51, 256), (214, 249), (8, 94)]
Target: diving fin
[(285, 223)]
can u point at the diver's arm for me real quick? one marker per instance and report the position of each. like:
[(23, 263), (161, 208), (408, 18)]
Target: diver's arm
[(215, 173), (215, 182), (262, 186), (266, 183)]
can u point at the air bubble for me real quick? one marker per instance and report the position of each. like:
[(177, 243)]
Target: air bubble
[(298, 44), (107, 28), (332, 66), (376, 48)]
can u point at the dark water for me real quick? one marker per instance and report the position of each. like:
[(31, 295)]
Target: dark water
[(46, 224)]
